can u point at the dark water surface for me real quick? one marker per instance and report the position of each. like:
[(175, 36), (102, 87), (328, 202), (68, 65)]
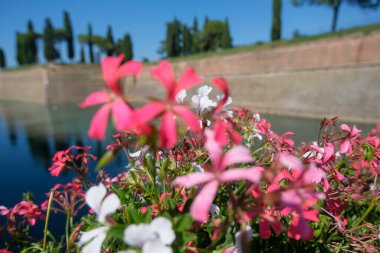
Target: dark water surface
[(31, 134)]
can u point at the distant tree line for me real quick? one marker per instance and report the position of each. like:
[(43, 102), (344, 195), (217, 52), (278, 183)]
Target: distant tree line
[(181, 39), (27, 43)]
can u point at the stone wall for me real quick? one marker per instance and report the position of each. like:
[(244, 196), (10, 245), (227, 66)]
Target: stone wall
[(329, 77)]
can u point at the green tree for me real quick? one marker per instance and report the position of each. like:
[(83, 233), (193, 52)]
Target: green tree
[(50, 51), (110, 45), (2, 59), (90, 44), (30, 49), (197, 42), (69, 35), (187, 45), (20, 49), (82, 56), (276, 20), (173, 40), (335, 5), (212, 35), (226, 37), (125, 47)]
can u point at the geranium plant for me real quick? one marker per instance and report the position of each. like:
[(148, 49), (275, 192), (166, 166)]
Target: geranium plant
[(205, 178)]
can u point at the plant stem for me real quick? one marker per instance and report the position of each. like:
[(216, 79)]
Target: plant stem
[(47, 219), (67, 228), (369, 209)]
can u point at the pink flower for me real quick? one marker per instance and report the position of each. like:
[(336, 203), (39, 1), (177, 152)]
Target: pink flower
[(299, 228), (60, 158), (210, 181), (170, 108), (113, 101), (29, 210), (223, 125), (350, 139)]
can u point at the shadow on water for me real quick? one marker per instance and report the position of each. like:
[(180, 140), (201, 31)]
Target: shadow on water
[(31, 134)]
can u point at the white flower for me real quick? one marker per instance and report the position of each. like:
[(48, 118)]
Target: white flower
[(238, 237), (102, 205), (198, 168), (151, 238), (201, 101), (95, 238), (229, 113), (180, 96), (256, 116), (214, 210)]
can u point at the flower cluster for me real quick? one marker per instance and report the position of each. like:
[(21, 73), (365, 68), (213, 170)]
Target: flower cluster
[(204, 178)]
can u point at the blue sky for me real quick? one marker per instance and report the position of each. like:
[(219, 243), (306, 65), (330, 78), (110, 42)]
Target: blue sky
[(250, 20)]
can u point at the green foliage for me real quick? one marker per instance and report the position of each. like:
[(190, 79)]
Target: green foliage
[(109, 42), (69, 35), (173, 39), (124, 46), (212, 35), (31, 49), (197, 43), (276, 20), (187, 47), (226, 37), (90, 44), (3, 63), (49, 37)]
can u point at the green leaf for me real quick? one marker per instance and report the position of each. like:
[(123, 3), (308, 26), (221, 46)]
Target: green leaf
[(107, 158), (183, 222)]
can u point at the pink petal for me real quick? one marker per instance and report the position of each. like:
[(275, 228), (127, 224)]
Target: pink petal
[(222, 84), (345, 127), (214, 149), (345, 147), (253, 175), (99, 122), (148, 112), (355, 131), (130, 68), (313, 175), (110, 67), (220, 129), (264, 229), (187, 80), (201, 205), (300, 229), (311, 215), (123, 114), (292, 162), (193, 179), (188, 117), (164, 73), (97, 97), (168, 131), (238, 154), (235, 136)]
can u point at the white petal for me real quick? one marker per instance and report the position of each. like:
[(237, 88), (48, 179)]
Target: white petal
[(156, 246), (137, 235), (180, 96), (163, 227), (135, 154), (238, 238), (109, 205), (95, 196), (198, 168), (95, 246), (127, 251), (214, 209), (204, 91)]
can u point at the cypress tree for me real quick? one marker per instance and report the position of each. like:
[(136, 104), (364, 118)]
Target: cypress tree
[(197, 46), (50, 51), (31, 45), (90, 44), (173, 40), (127, 48), (20, 49), (226, 38), (82, 57), (69, 35), (2, 59), (187, 41), (110, 46), (276, 20)]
